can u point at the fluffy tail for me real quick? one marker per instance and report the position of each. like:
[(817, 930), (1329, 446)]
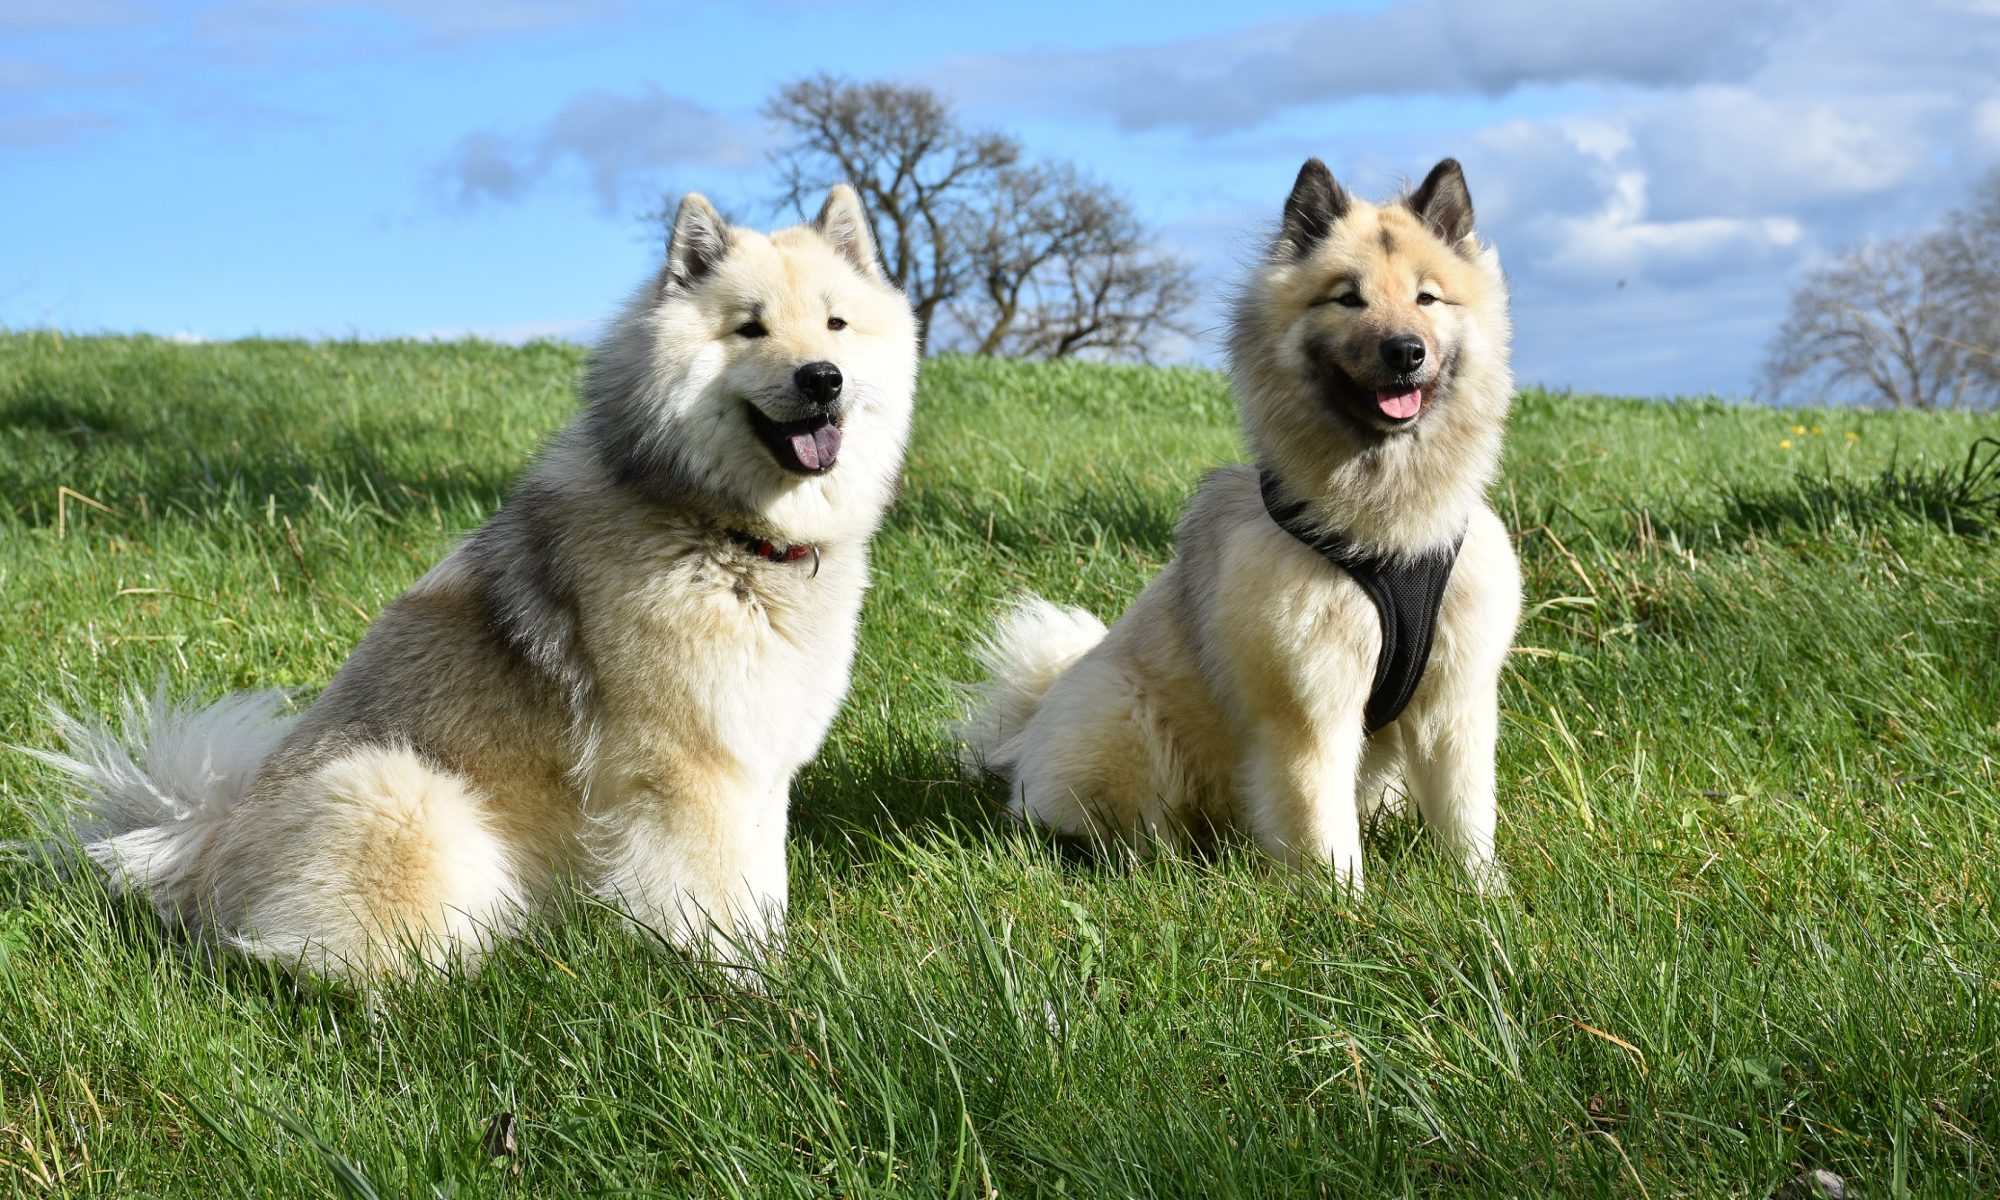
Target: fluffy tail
[(154, 791), (1033, 643)]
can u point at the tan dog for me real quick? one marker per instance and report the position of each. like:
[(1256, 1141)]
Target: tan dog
[(613, 681), (1370, 359)]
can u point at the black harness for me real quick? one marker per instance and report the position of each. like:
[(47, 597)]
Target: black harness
[(1407, 593)]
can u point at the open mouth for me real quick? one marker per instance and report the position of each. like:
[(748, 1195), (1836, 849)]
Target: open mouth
[(1394, 406), (806, 447), (1399, 403)]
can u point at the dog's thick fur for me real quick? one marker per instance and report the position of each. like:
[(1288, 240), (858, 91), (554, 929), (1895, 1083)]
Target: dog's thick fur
[(1232, 690), (603, 685)]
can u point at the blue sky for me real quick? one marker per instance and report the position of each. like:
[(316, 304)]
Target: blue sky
[(1656, 175)]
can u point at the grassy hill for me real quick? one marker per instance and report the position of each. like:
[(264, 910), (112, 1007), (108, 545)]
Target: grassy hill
[(1749, 805)]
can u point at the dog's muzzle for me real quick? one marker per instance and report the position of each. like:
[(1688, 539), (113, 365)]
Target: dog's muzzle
[(809, 443)]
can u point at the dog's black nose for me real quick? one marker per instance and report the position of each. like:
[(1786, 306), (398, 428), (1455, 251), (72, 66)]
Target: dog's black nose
[(818, 382), (1403, 354)]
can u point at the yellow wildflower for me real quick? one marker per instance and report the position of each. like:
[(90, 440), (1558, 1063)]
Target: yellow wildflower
[(1784, 443), (1851, 436)]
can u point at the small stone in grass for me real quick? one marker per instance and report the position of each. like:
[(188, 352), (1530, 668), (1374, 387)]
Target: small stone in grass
[(1814, 1185)]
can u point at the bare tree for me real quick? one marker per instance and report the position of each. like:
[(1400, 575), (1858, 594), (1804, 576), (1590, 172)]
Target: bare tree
[(1865, 327), (1967, 254), (921, 176), (997, 255), (1064, 269), (1115, 304), (1911, 322)]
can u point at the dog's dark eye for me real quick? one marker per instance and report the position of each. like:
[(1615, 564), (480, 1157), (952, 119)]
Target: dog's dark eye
[(751, 329), (1426, 298), (835, 324), (1350, 300)]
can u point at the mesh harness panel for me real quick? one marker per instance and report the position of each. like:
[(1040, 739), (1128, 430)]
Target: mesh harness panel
[(1407, 593)]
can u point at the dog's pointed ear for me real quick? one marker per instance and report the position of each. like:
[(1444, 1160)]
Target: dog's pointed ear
[(1316, 202), (699, 240), (1442, 203), (843, 222)]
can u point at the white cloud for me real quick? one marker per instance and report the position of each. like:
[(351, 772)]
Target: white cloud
[(1685, 186), (1576, 201), (1414, 47), (1737, 151), (619, 142), (1524, 170), (1622, 241), (1983, 140)]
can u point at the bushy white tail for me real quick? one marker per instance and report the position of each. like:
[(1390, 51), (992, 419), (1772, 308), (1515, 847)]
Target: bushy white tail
[(156, 789), (1033, 642)]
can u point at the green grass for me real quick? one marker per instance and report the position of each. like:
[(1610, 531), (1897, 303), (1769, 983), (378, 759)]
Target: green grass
[(1749, 807)]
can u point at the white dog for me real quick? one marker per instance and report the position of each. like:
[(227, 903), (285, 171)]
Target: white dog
[(613, 681)]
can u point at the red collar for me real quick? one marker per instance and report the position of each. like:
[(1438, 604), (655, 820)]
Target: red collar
[(766, 549)]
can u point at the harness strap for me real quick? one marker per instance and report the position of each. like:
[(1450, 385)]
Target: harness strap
[(1407, 593)]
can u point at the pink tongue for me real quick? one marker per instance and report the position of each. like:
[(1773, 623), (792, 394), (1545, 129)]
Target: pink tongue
[(816, 449), (1399, 403)]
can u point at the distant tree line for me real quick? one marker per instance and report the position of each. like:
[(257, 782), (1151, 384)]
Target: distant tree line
[(999, 253), (1907, 322)]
